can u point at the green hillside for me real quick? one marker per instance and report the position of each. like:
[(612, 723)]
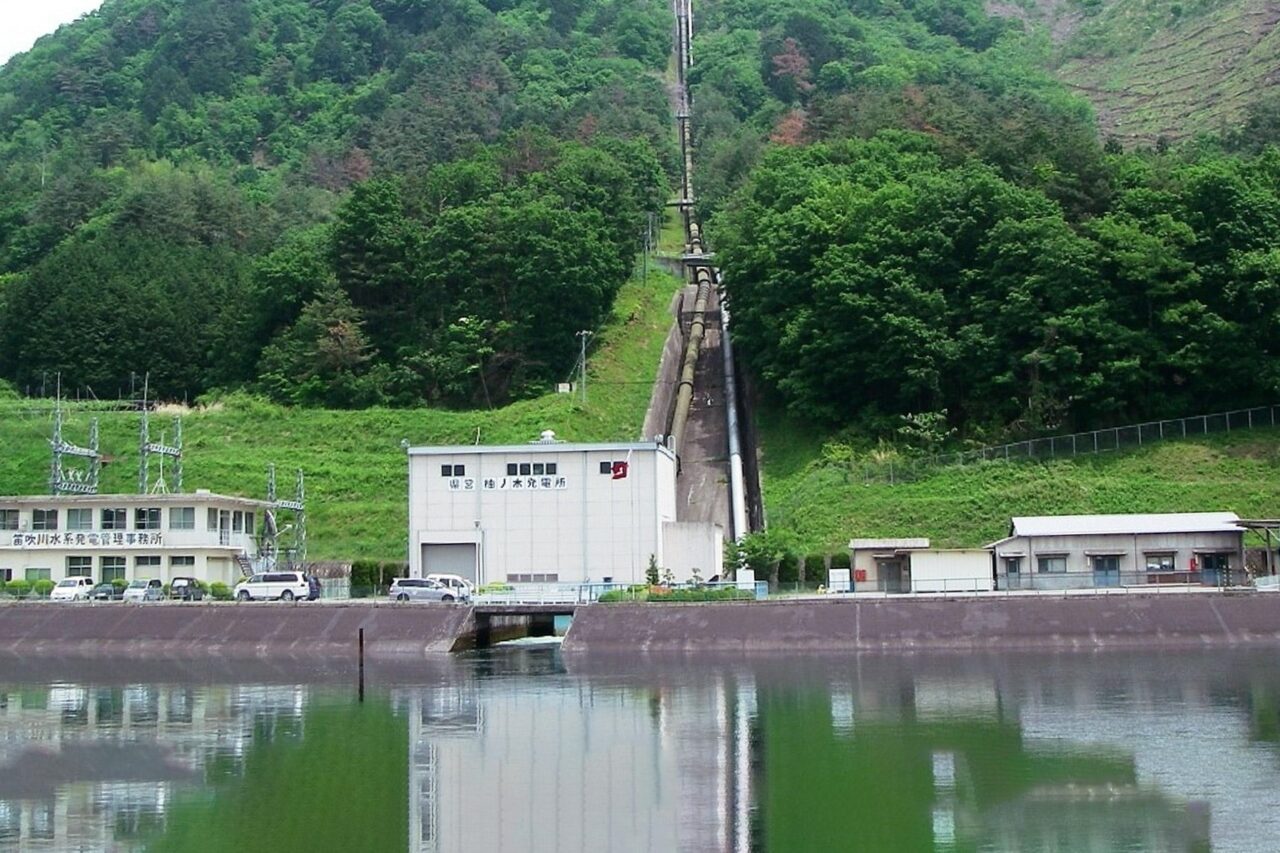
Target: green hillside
[(353, 461), (818, 504), (1153, 68)]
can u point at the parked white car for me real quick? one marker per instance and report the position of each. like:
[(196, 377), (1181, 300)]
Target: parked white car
[(72, 589), (457, 584), (144, 590), (285, 586)]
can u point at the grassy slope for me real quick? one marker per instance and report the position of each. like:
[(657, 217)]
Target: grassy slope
[(353, 462), (959, 507), (1154, 68)]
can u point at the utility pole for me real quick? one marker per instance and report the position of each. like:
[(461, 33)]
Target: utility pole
[(582, 363)]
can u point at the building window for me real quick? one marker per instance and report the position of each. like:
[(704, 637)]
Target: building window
[(538, 468), (112, 568), (146, 567), (39, 574), (8, 519), (79, 567), (212, 520), (1055, 565), (1012, 565), (606, 467), (453, 470), (44, 519), (551, 467), (182, 518), (114, 519), (186, 563), (6, 575), (80, 519), (1160, 563), (525, 469), (512, 469), (237, 522), (248, 523), (146, 518)]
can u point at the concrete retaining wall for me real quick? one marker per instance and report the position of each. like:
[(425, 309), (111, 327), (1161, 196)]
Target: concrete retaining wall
[(657, 419), (232, 630), (918, 624)]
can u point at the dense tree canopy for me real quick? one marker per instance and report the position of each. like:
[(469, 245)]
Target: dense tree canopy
[(874, 279), (451, 188)]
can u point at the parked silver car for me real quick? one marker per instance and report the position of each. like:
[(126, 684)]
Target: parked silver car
[(421, 589)]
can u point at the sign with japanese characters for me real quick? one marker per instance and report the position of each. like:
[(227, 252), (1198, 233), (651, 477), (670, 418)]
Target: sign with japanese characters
[(111, 539), (525, 484)]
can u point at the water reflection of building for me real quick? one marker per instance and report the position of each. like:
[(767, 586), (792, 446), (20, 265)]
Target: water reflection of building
[(578, 766), (93, 767)]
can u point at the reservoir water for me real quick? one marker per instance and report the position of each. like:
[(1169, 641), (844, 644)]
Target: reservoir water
[(523, 749)]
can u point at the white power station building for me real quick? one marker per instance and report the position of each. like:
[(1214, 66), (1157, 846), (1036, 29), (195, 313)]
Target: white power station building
[(552, 512)]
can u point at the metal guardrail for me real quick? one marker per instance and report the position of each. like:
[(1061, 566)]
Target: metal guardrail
[(1088, 443), (1038, 583)]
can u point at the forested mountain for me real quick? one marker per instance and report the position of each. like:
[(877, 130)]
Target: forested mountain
[(336, 201), (921, 231)]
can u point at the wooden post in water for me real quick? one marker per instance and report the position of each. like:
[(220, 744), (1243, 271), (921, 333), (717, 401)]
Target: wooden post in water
[(361, 664)]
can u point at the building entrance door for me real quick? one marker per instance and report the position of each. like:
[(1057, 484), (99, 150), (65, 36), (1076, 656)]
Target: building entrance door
[(1214, 570), (890, 573), (1106, 571), (450, 559)]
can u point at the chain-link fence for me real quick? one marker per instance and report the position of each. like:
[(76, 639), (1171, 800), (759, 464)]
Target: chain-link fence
[(908, 469)]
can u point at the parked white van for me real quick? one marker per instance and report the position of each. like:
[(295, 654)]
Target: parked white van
[(285, 586), (460, 586), (72, 589)]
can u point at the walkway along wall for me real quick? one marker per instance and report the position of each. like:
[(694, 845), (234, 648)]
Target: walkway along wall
[(916, 624)]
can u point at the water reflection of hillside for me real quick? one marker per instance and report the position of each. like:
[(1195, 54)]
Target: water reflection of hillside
[(509, 751)]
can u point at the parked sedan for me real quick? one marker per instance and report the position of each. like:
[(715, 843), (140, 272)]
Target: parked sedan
[(420, 589), (107, 592)]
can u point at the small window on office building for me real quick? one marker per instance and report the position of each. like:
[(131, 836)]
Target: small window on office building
[(34, 574), (146, 567), (1054, 565), (525, 469), (114, 519), (79, 567), (80, 519), (538, 469), (182, 518), (44, 519), (551, 468), (146, 518), (1012, 565), (6, 575), (606, 467), (1160, 562), (237, 522), (8, 519), (512, 469), (111, 568), (182, 563), (453, 470)]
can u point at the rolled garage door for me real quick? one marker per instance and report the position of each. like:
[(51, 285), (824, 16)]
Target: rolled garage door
[(451, 559)]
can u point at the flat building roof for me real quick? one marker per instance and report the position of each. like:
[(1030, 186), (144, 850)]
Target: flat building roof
[(540, 447), (150, 500)]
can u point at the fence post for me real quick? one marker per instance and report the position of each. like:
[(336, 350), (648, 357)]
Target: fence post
[(1117, 432), (1184, 427), (1095, 441), (1162, 430), (1251, 419)]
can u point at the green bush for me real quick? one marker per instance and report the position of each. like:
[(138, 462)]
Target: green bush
[(205, 587), (42, 587), (220, 591), (704, 594), (18, 587), (494, 587), (815, 569), (119, 583)]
